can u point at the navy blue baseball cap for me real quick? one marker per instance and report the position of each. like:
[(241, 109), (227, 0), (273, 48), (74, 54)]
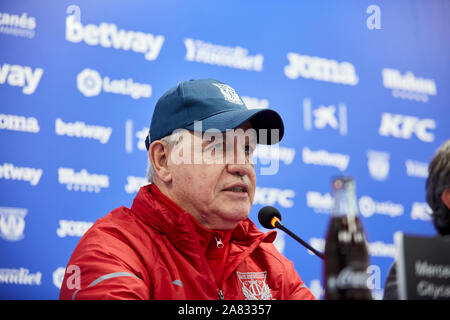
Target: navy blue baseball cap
[(214, 103)]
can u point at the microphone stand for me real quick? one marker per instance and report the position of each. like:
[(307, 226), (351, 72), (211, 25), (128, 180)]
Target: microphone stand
[(279, 225)]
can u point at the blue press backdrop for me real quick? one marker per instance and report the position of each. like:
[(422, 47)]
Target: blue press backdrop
[(361, 86)]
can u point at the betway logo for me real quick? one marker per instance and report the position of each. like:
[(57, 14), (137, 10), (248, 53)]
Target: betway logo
[(233, 57), (270, 196), (108, 36), (325, 158), (82, 181), (79, 129), (402, 126), (21, 76), (18, 123), (70, 228), (268, 153), (8, 171), (320, 69)]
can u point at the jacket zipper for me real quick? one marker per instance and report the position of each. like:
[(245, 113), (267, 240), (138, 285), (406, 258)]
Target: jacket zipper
[(221, 297), (219, 244)]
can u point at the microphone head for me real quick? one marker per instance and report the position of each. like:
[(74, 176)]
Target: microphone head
[(266, 215)]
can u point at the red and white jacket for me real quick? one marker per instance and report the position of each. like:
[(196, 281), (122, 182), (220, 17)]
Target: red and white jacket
[(155, 250)]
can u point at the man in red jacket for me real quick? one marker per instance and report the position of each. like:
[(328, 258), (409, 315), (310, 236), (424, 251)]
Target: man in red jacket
[(187, 234)]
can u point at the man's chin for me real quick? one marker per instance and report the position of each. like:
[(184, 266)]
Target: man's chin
[(236, 216)]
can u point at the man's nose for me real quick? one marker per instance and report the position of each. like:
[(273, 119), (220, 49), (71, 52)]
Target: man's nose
[(240, 169)]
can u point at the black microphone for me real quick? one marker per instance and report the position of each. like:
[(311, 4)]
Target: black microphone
[(270, 218)]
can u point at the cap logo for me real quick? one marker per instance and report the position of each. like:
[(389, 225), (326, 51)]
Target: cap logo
[(229, 93)]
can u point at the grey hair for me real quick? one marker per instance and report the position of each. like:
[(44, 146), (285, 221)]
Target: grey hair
[(172, 139), (438, 180)]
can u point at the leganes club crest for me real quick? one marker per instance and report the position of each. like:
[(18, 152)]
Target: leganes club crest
[(378, 164), (229, 93), (254, 285), (12, 223)]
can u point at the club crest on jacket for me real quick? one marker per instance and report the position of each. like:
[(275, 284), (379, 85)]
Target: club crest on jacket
[(254, 285)]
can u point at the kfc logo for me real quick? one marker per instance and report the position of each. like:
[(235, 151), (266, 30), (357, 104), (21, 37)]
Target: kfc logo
[(401, 126)]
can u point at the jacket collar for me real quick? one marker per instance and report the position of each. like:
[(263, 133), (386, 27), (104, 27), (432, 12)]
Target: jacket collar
[(161, 213)]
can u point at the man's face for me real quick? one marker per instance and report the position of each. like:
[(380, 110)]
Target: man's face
[(219, 189)]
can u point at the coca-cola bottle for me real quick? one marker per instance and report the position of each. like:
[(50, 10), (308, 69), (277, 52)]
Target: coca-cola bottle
[(346, 255)]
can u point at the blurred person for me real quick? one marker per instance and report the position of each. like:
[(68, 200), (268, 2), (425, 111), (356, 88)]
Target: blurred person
[(438, 198), (187, 234)]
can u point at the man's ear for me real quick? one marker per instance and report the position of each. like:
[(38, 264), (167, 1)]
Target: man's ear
[(445, 197), (158, 154)]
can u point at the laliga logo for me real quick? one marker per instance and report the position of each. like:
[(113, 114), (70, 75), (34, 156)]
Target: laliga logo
[(89, 82), (368, 207)]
